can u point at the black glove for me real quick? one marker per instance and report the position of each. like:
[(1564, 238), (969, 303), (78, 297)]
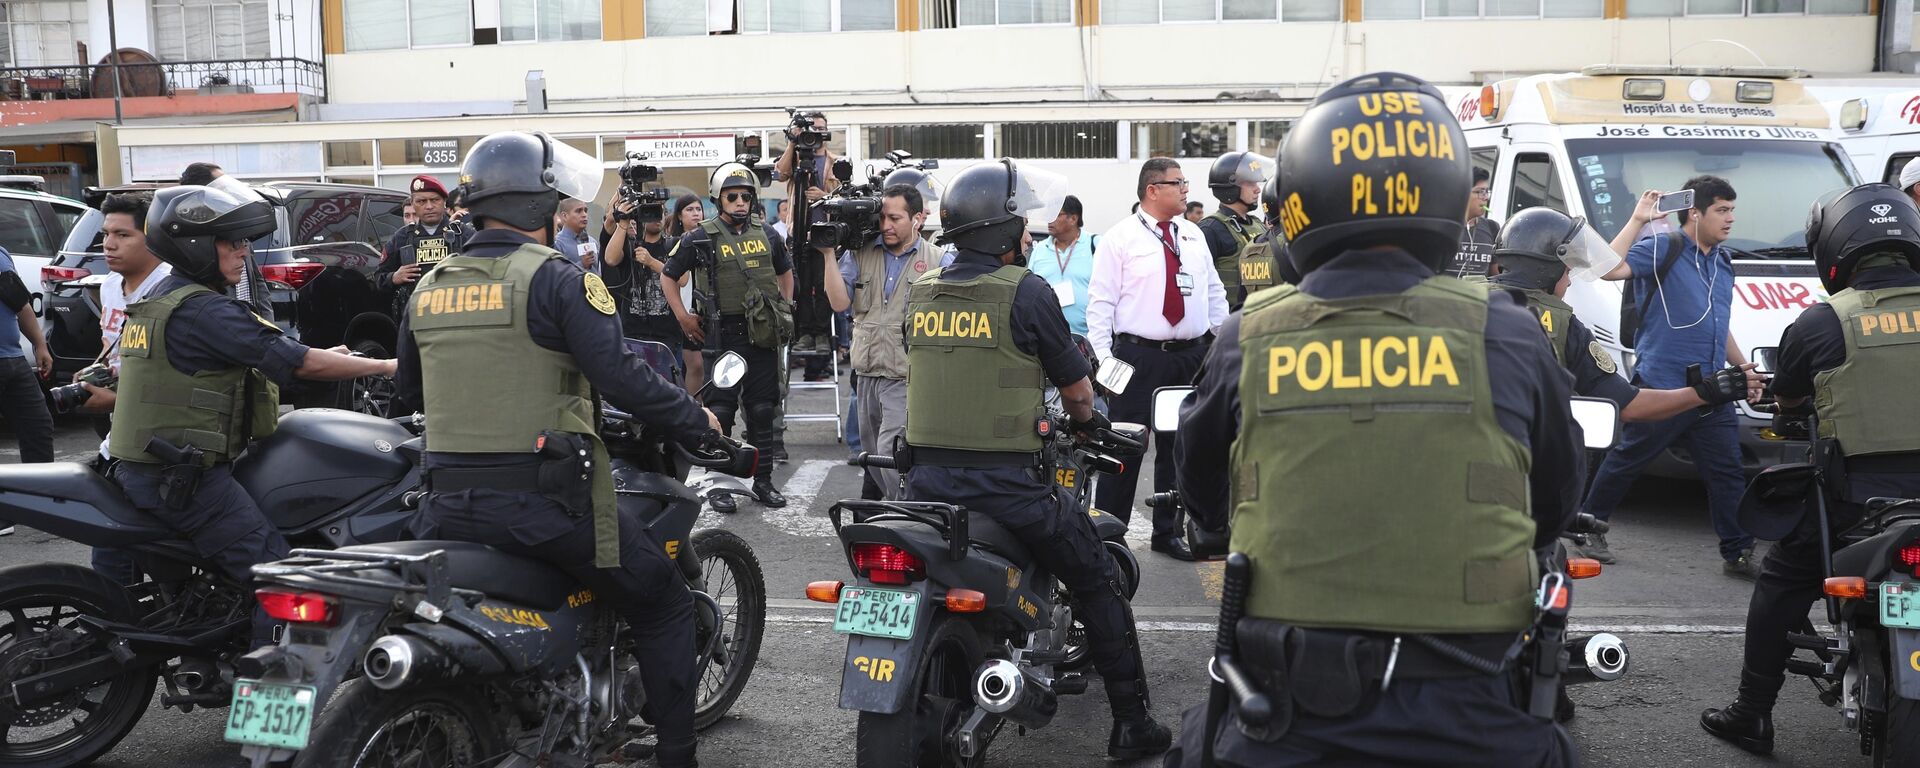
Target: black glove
[(1726, 385), (1085, 429)]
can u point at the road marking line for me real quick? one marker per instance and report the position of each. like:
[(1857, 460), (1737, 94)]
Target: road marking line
[(1195, 626), (797, 517)]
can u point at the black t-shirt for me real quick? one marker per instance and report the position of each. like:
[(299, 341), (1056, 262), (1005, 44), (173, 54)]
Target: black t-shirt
[(1475, 254)]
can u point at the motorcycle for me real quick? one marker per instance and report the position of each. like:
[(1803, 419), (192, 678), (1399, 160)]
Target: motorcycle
[(1868, 666), (80, 655), (459, 654)]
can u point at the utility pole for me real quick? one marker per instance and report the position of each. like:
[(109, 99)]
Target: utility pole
[(113, 56)]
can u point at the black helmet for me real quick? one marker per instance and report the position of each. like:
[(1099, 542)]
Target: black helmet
[(989, 206), (1270, 200), (184, 223), (1413, 197), (918, 179), (517, 178), (1868, 219), (1529, 247), (1232, 168)]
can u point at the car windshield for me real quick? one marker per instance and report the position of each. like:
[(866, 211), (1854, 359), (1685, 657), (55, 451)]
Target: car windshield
[(82, 240), (1776, 182)]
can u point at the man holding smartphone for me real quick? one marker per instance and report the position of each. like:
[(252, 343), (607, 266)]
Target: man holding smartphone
[(1685, 283)]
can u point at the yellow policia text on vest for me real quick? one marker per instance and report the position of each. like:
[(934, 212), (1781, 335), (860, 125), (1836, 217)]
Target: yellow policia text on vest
[(972, 388), (1385, 361), (1888, 323), (1857, 401), (951, 323), (460, 298)]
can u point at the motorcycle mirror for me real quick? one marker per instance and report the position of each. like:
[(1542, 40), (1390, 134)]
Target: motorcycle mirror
[(729, 370), (1599, 421), (1166, 407), (1114, 374), (1764, 359)]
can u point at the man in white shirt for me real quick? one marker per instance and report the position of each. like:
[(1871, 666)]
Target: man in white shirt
[(132, 273), (1153, 302)]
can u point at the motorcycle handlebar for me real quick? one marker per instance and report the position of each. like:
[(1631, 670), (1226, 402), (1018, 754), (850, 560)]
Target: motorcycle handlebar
[(723, 453), (874, 460)]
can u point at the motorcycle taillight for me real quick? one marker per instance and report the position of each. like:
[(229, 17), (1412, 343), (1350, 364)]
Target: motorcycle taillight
[(296, 607), (887, 564), (1908, 557)]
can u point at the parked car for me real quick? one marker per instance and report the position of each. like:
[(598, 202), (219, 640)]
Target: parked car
[(318, 268), (32, 226)]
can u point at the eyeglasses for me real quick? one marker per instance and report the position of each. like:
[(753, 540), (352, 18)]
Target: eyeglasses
[(1182, 182), (736, 196), (1483, 193)]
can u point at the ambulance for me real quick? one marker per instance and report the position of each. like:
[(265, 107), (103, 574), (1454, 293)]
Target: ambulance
[(1880, 131), (1589, 143)]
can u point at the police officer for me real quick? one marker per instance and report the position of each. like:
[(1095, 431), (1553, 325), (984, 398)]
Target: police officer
[(1854, 365), (417, 247), (983, 337), (1236, 179), (746, 270), (199, 372), (509, 345), (1379, 414), (1533, 255), (1263, 262)]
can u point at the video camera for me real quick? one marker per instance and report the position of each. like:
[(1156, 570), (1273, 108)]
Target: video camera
[(853, 211), (649, 205), (801, 132)]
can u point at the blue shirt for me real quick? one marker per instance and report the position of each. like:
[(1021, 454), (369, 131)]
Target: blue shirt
[(568, 244), (850, 270), (1688, 314), (1074, 266), (10, 326)]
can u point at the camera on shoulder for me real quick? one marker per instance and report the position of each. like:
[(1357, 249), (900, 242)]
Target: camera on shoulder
[(802, 133), (648, 205)]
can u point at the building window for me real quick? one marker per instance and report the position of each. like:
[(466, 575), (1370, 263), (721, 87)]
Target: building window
[(373, 25), (1155, 11), (970, 13), (204, 30), (1658, 8), (42, 34), (756, 16), (676, 18), (1410, 10), (1183, 139), (1091, 140), (1264, 136), (524, 21), (952, 142)]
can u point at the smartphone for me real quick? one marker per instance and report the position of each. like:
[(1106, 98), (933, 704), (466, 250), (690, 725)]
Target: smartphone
[(1674, 201)]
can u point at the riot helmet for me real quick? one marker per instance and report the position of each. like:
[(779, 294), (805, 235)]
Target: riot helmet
[(1232, 169), (1852, 225), (1270, 201), (733, 176), (918, 179), (1378, 160), (517, 178), (1539, 244), (184, 223), (989, 206)]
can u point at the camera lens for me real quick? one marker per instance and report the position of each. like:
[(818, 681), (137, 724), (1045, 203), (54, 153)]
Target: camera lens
[(68, 397)]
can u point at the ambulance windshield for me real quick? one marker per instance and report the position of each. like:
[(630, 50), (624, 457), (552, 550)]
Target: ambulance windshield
[(1774, 182)]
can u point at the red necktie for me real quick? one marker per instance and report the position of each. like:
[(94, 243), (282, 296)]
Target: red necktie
[(1172, 305)]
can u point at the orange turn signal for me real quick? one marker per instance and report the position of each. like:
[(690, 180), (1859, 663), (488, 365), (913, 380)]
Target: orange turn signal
[(1852, 587), (825, 591), (1583, 567), (965, 601)]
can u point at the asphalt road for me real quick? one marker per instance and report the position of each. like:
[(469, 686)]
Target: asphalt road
[(1667, 597)]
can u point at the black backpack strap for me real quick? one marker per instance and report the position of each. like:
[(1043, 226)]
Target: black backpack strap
[(1633, 314)]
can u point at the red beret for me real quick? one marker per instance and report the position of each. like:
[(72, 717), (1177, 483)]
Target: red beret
[(424, 183)]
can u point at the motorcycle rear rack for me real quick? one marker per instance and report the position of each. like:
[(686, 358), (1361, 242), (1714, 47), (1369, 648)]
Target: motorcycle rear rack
[(423, 573), (949, 519)]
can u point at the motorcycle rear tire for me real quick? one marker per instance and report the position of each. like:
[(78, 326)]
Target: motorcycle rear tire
[(908, 738), (720, 547), (1899, 741), (359, 712), (128, 694)]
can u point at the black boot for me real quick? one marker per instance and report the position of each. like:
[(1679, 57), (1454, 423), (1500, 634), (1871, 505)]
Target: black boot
[(767, 494), (722, 502), (1135, 734), (1748, 721)]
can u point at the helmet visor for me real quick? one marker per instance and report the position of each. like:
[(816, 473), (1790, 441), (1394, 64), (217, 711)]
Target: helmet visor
[(575, 173), (1255, 168), (1038, 195), (1588, 256)]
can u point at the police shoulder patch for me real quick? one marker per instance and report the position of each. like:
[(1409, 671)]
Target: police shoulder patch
[(598, 295), (1601, 358)]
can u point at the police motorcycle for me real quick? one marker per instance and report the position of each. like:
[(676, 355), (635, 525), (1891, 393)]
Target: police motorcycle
[(953, 632), (1868, 665), (1548, 661), (80, 656), (459, 654)]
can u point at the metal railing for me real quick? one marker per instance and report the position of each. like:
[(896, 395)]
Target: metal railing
[(166, 78)]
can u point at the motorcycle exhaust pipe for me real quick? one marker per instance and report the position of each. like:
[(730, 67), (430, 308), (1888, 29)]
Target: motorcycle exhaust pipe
[(394, 661), (1597, 659), (1010, 691)]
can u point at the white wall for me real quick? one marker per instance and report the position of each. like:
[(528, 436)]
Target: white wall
[(133, 25), (1023, 63)]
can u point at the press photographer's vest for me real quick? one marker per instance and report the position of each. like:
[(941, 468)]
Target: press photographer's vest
[(972, 389), (877, 348), (1865, 404), (1258, 268), (743, 261), (1228, 264), (1556, 317), (216, 411), (1373, 486), (488, 387)]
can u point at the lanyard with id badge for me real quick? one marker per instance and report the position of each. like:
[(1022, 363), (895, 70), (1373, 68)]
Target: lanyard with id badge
[(1063, 287), (1181, 279)]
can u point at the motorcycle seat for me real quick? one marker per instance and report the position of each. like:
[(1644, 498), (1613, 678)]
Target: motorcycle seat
[(502, 576), (71, 501), (984, 532)]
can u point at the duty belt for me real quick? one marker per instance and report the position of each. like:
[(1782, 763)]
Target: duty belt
[(948, 457), (1174, 345), (513, 478)]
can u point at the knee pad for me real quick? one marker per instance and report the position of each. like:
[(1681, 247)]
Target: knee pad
[(764, 414)]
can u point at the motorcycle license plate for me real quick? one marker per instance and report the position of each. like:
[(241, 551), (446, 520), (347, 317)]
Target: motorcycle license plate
[(877, 612), (1900, 605), (270, 714)]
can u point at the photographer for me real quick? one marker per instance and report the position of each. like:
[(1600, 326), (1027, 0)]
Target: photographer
[(805, 161), (635, 254)]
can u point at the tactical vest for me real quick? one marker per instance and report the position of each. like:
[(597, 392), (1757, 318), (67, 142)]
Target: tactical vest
[(208, 410), (877, 348), (1373, 486), (1258, 268), (744, 261), (1556, 317), (973, 389), (1228, 264), (488, 387), (427, 250), (1853, 401)]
